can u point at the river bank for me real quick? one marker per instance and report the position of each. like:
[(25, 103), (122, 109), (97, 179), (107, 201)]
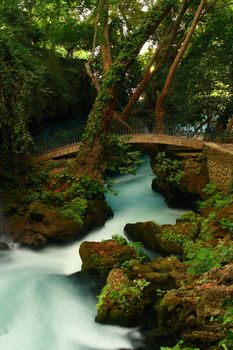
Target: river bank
[(43, 310)]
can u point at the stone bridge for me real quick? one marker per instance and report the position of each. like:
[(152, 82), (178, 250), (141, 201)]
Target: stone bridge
[(219, 156), (131, 138)]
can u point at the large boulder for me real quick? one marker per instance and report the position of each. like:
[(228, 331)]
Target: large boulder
[(122, 301), (42, 224), (165, 239), (97, 212), (144, 232)]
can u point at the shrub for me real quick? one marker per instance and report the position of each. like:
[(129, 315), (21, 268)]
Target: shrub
[(171, 169), (75, 210), (201, 259), (227, 223), (216, 199)]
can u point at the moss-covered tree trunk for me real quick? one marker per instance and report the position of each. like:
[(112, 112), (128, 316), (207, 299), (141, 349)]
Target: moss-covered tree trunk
[(90, 158)]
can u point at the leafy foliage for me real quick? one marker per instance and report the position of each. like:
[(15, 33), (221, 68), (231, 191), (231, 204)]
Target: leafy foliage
[(122, 297), (227, 223), (209, 98), (200, 258), (21, 76), (120, 157), (178, 346), (227, 342), (137, 246), (171, 169), (75, 210), (215, 199), (36, 82)]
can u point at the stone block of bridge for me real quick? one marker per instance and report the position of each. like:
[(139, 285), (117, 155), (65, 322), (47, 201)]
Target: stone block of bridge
[(220, 165)]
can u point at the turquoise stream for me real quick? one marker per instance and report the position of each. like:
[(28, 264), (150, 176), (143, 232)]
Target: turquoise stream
[(41, 309)]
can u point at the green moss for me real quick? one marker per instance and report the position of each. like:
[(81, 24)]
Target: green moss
[(137, 246), (122, 297), (75, 210)]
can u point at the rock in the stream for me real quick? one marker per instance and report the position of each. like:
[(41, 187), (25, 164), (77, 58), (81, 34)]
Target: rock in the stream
[(43, 225), (4, 246), (165, 239), (121, 301)]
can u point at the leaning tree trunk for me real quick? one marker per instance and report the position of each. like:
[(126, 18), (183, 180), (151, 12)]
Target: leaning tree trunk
[(164, 50), (159, 109), (90, 158)]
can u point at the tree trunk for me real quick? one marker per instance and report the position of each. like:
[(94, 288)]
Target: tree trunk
[(159, 110), (229, 125), (90, 158), (208, 120), (104, 36), (161, 54)]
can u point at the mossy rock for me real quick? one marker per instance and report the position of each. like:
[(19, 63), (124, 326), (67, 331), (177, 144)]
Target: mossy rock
[(39, 211), (172, 238), (42, 221), (121, 301), (144, 232), (188, 311), (33, 240), (104, 255), (97, 212), (191, 217), (165, 239), (4, 247)]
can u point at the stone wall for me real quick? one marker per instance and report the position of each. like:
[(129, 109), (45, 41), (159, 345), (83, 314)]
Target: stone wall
[(220, 165)]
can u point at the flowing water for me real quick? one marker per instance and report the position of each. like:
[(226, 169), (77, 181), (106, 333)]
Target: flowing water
[(41, 309)]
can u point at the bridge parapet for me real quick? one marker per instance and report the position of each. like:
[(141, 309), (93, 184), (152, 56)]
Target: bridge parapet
[(176, 135), (166, 140)]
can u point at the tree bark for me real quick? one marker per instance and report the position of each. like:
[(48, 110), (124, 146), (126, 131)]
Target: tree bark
[(104, 37), (229, 125), (159, 110)]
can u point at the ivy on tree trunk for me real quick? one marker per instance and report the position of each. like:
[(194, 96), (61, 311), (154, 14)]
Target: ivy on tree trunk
[(90, 158)]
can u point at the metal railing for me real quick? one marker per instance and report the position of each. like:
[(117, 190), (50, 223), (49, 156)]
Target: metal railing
[(61, 138)]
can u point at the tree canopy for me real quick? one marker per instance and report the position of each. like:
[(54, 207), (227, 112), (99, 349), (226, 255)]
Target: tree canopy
[(56, 55)]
